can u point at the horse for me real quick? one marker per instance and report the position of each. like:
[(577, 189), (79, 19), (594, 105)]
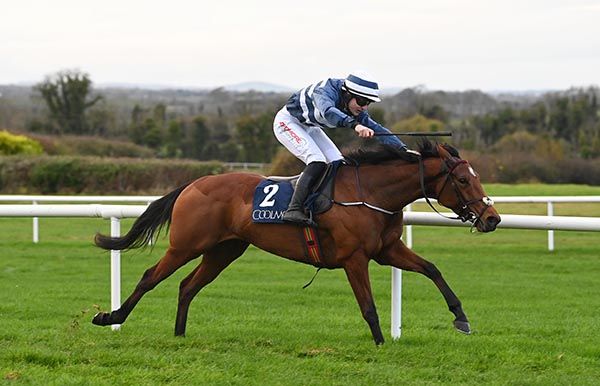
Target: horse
[(211, 217)]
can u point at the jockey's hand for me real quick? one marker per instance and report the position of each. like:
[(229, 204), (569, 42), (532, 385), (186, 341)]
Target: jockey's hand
[(364, 131), (413, 152)]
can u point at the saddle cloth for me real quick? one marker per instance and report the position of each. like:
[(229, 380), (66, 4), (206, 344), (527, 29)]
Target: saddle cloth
[(271, 199), (273, 195)]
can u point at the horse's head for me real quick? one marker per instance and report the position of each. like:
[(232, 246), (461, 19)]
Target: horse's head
[(461, 191)]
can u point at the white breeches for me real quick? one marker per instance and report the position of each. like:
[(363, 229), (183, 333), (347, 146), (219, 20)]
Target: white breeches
[(308, 143)]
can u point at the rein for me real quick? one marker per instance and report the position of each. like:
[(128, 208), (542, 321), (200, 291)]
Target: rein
[(362, 202), (464, 214), (422, 179)]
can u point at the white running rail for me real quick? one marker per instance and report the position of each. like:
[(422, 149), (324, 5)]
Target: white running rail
[(37, 199)]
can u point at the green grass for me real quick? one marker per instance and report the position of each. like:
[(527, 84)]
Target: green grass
[(541, 190), (534, 315)]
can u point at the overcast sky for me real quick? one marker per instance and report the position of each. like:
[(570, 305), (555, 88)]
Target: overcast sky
[(450, 45)]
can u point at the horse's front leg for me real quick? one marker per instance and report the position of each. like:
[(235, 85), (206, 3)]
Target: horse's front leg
[(400, 256), (357, 271)]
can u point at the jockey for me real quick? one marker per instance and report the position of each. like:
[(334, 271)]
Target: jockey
[(330, 103)]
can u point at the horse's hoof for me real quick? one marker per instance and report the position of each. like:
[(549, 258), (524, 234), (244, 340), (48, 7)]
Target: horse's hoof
[(101, 319), (463, 327)]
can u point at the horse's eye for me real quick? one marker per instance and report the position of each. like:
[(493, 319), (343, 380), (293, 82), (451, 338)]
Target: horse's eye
[(462, 180)]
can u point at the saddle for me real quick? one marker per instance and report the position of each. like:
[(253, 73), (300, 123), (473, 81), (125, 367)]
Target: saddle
[(272, 195), (321, 198)]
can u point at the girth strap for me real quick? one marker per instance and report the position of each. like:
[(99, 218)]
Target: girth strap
[(313, 246)]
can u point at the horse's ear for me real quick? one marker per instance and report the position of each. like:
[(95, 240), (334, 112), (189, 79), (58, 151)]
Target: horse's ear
[(443, 152)]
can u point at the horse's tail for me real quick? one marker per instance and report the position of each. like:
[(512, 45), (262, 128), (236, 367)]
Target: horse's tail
[(149, 223)]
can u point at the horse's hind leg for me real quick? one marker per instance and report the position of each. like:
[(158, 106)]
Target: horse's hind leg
[(169, 263), (214, 261), (400, 256)]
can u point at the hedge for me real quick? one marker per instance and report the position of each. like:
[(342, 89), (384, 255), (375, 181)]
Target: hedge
[(91, 146), (93, 175), (525, 167), (18, 144)]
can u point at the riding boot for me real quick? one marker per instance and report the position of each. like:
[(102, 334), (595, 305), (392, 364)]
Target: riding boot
[(295, 212)]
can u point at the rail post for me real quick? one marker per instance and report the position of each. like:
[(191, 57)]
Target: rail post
[(150, 242), (36, 227), (550, 232), (115, 270), (409, 235), (397, 287), (396, 303)]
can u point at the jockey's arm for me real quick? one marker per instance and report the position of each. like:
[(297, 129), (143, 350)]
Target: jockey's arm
[(365, 120), (335, 117)]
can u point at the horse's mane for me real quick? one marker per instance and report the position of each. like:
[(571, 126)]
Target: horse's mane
[(378, 153)]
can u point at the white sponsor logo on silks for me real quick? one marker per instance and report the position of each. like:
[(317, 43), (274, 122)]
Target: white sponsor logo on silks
[(265, 214), (297, 141)]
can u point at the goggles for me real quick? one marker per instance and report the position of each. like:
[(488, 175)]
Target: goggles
[(362, 101)]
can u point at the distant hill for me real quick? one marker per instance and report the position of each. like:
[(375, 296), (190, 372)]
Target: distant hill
[(259, 87), (458, 104)]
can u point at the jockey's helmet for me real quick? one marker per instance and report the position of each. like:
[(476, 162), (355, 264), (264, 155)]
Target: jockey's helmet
[(362, 84)]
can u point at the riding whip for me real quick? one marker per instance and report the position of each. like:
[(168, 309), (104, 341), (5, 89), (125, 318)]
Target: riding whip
[(417, 134)]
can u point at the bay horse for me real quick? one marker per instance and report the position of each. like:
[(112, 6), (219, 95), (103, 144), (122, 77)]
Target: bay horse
[(211, 216)]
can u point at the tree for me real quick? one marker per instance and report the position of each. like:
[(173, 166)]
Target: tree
[(153, 136), (434, 112), (173, 140), (136, 128), (100, 120), (159, 114), (418, 123), (66, 95), (255, 135), (199, 137), (378, 115), (495, 125)]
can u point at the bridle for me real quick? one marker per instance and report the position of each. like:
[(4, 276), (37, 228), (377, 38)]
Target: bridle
[(464, 212)]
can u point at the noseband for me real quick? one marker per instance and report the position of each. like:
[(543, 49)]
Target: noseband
[(464, 213)]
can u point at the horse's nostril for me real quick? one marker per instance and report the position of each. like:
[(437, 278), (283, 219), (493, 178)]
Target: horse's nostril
[(492, 221)]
